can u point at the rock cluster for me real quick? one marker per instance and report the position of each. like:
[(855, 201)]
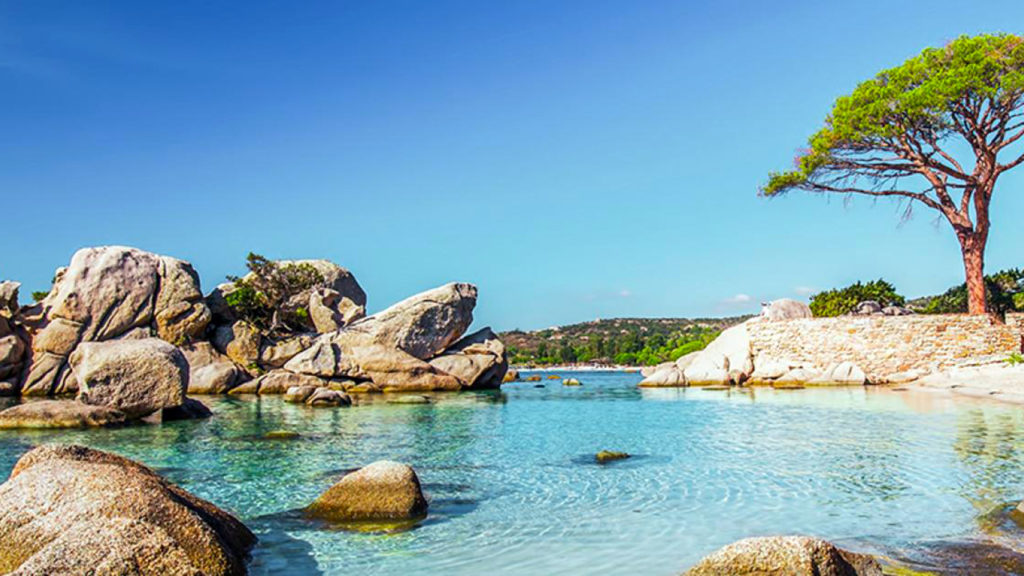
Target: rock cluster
[(74, 510), (873, 308), (130, 331)]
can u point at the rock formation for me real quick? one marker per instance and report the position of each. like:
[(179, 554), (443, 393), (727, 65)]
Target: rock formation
[(74, 510), (84, 337)]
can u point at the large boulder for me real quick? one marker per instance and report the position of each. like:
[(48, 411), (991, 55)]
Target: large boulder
[(74, 510), (209, 371), (59, 414), (393, 348), (478, 360), (104, 294), (137, 377), (722, 359), (785, 309), (383, 490), (785, 556), (423, 325)]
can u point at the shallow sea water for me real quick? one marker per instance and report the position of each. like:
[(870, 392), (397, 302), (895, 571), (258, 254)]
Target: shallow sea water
[(513, 487)]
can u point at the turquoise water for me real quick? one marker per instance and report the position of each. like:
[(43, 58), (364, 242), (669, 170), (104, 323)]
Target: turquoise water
[(513, 489)]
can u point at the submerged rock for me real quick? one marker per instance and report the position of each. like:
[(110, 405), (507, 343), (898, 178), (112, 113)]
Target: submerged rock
[(298, 394), (74, 510), (59, 414), (384, 490), (327, 397), (610, 456), (408, 399), (511, 375), (785, 556), (137, 377)]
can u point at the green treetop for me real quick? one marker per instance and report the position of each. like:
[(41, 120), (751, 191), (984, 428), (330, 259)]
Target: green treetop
[(935, 131)]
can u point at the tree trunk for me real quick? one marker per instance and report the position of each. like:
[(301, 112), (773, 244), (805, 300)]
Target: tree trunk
[(973, 248)]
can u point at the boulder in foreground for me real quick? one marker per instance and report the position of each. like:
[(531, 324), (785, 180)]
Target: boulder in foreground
[(382, 491), (74, 510), (785, 556)]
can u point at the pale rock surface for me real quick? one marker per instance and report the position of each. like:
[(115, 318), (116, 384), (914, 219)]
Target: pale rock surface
[(137, 377), (478, 360), (785, 309), (210, 372), (727, 353)]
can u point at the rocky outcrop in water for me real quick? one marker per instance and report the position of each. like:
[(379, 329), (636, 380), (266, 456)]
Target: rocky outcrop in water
[(785, 556), (109, 293), (412, 345), (382, 491), (74, 510), (118, 296)]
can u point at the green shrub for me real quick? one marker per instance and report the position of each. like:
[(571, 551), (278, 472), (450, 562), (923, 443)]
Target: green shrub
[(262, 297), (1005, 291), (839, 301), (39, 296)]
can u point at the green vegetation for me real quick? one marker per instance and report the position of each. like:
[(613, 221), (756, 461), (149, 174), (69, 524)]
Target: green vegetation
[(1015, 359), (839, 301), (39, 295), (266, 296), (627, 341), (1005, 293), (899, 134)]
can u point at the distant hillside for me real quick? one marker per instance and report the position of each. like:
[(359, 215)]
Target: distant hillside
[(628, 341)]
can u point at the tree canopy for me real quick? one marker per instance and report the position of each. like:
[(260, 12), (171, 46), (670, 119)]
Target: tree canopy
[(935, 130)]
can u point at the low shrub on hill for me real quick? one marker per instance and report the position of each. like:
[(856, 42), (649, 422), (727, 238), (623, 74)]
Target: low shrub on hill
[(839, 301)]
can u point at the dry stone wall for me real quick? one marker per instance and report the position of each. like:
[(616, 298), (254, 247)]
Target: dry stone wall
[(885, 345)]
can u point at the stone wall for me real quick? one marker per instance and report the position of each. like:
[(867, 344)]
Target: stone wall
[(885, 345)]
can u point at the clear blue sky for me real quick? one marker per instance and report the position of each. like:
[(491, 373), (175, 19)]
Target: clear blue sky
[(574, 159)]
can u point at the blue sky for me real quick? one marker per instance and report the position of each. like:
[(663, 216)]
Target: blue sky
[(575, 160)]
